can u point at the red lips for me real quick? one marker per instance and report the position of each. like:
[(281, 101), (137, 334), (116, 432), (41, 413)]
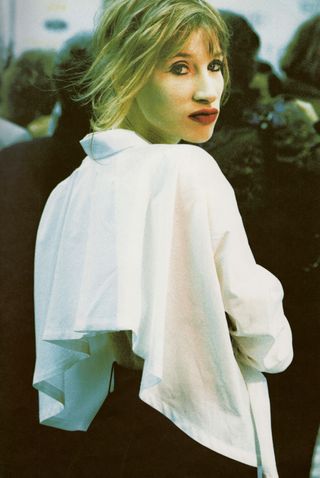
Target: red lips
[(205, 116)]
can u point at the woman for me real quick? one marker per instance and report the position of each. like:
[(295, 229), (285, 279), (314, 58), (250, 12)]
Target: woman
[(141, 252)]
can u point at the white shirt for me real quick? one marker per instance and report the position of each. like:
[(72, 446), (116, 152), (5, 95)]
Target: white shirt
[(149, 238)]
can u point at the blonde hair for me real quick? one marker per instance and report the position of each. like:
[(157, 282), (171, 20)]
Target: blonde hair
[(132, 37)]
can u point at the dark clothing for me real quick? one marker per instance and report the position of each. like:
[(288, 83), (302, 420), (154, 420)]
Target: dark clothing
[(28, 173), (304, 91), (271, 155), (139, 442), (127, 438)]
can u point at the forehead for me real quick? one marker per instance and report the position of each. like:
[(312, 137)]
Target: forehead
[(206, 40), (200, 41)]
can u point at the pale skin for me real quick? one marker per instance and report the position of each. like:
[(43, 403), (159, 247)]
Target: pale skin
[(160, 113), (178, 87)]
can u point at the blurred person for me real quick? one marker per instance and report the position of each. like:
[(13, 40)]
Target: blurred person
[(28, 173), (40, 126), (301, 63), (270, 151), (73, 59), (27, 90), (258, 136), (143, 267), (11, 133), (315, 466), (236, 145), (266, 81), (245, 40)]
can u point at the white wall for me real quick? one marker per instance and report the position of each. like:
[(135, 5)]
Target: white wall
[(30, 16)]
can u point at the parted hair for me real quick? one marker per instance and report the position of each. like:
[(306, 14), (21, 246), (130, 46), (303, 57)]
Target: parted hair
[(130, 40)]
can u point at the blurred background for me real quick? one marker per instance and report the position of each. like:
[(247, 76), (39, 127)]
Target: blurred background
[(28, 24), (267, 143)]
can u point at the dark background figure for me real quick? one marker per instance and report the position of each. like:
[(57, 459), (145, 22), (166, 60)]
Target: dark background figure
[(11, 133), (245, 44), (28, 173), (241, 163), (269, 149), (27, 90), (301, 63)]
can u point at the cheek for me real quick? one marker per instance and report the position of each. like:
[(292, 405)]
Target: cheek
[(221, 86), (159, 101), (151, 100)]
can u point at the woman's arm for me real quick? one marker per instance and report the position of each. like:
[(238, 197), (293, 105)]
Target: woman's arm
[(252, 296)]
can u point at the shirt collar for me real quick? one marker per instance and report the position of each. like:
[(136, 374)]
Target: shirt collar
[(105, 143)]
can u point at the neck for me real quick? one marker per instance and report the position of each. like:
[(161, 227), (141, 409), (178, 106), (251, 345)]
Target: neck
[(134, 121)]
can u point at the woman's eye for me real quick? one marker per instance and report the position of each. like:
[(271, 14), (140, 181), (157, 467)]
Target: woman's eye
[(179, 69), (216, 65)]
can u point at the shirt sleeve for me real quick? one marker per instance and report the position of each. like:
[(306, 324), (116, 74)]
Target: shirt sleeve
[(252, 296)]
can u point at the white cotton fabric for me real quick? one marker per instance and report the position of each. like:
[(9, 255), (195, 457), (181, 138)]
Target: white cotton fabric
[(148, 238)]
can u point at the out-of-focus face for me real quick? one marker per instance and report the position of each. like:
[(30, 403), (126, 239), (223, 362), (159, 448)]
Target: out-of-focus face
[(181, 100)]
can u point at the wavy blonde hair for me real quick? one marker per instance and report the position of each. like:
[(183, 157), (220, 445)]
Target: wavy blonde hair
[(131, 38)]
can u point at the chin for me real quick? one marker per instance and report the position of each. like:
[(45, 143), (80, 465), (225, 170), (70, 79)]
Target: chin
[(199, 138)]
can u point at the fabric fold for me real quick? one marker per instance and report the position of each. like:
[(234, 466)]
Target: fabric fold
[(135, 240)]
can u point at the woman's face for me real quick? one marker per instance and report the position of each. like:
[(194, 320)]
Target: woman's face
[(181, 100)]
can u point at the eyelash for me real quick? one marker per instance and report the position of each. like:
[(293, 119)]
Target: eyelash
[(214, 66)]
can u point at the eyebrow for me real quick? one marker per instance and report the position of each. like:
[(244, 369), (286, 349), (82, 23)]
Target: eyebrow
[(189, 55)]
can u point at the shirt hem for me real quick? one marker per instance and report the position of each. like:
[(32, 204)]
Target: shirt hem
[(210, 442)]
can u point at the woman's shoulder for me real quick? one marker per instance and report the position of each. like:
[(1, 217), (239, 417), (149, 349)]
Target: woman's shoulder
[(184, 150), (190, 156), (60, 193), (196, 161)]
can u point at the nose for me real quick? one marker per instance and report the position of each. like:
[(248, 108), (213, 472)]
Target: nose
[(207, 88)]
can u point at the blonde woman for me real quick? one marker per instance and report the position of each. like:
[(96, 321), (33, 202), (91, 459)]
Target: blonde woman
[(143, 266)]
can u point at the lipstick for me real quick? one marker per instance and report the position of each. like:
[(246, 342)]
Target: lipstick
[(205, 116)]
